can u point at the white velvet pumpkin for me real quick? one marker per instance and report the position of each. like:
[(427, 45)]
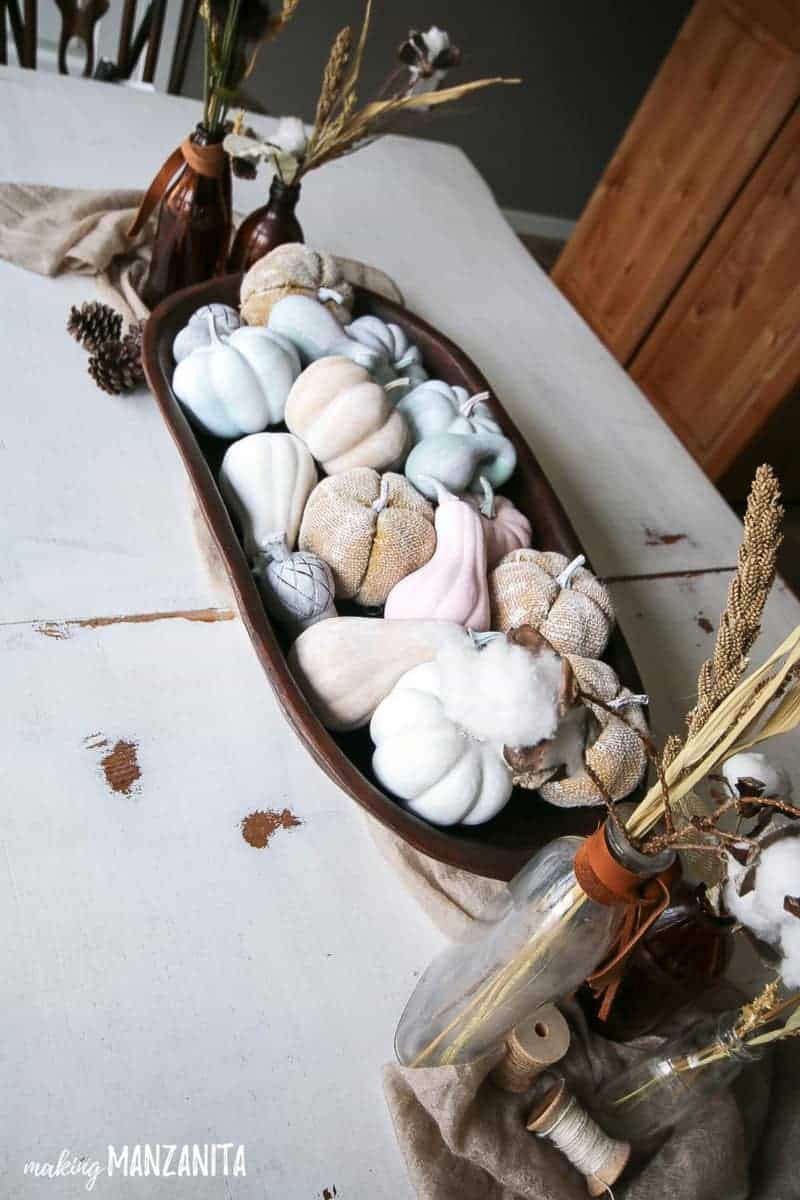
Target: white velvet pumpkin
[(345, 417), (434, 766), (237, 384), (266, 479)]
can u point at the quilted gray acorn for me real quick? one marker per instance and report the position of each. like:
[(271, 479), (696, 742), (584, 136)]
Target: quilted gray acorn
[(297, 588), (197, 331)]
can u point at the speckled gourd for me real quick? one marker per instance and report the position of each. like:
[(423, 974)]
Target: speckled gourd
[(347, 665)]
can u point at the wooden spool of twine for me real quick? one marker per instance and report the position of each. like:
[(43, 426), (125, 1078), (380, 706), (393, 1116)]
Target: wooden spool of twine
[(534, 1045), (563, 1121)]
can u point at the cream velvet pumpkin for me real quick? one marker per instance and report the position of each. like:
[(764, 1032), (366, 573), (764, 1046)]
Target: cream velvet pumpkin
[(266, 479), (345, 418), (439, 770), (564, 601), (294, 269), (370, 530)]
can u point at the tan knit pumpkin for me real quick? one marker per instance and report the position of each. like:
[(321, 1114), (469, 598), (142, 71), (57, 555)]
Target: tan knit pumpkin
[(371, 530), (289, 270), (614, 753), (564, 601)]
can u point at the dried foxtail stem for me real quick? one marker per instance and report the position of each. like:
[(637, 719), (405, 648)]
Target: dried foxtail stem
[(747, 595), (333, 77)]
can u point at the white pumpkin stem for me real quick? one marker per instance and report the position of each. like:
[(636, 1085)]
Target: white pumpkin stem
[(467, 407), (624, 701), (326, 293), (408, 359), (383, 496), (487, 503), (396, 383), (480, 640), (274, 548), (564, 580)]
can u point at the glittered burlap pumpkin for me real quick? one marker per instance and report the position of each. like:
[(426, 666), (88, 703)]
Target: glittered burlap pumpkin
[(371, 530), (614, 755), (293, 269), (564, 601)]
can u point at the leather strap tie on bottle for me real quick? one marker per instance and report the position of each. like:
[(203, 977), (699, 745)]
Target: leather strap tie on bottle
[(209, 161), (606, 881)]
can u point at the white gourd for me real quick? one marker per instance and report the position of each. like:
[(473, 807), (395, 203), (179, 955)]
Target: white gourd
[(347, 665), (196, 333), (237, 384), (433, 765), (266, 479), (297, 588), (315, 333)]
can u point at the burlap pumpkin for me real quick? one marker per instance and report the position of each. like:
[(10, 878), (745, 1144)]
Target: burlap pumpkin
[(293, 269), (371, 530), (614, 753), (564, 601)]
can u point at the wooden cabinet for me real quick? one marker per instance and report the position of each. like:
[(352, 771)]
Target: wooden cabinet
[(686, 260)]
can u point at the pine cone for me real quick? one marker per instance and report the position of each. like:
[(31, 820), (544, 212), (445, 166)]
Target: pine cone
[(94, 323), (116, 367)]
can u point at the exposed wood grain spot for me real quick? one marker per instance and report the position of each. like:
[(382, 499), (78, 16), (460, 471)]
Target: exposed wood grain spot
[(95, 741), (704, 623), (654, 538), (667, 575), (121, 767), (258, 827), (53, 629), (206, 615)]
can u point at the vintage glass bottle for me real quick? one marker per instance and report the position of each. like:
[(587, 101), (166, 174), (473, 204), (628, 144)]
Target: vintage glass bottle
[(657, 1093), (193, 228), (272, 225), (548, 937)]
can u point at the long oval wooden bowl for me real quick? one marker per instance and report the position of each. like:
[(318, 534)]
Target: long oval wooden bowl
[(500, 847)]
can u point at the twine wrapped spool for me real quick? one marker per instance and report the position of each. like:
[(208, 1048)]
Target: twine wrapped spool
[(563, 1121), (534, 1045)]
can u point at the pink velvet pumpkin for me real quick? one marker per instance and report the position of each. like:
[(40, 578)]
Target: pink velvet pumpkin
[(505, 528), (452, 585)]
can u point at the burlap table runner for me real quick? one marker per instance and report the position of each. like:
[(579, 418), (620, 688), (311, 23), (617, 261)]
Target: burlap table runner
[(54, 231)]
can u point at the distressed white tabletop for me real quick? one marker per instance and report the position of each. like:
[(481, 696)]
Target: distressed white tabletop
[(163, 979)]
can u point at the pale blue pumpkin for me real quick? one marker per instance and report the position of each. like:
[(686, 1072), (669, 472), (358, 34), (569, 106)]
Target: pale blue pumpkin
[(315, 333), (400, 358), (435, 407), (473, 462), (238, 384)]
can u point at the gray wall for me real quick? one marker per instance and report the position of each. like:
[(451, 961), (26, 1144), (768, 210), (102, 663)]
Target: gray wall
[(541, 146)]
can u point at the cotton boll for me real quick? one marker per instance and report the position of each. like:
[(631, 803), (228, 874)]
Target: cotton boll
[(752, 774), (790, 945), (777, 876), (501, 694), (745, 911)]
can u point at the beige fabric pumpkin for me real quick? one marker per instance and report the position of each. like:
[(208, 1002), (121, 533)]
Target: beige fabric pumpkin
[(293, 269), (372, 531), (565, 602), (345, 418), (614, 753)]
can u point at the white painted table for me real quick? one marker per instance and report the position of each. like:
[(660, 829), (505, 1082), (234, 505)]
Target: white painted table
[(162, 980)]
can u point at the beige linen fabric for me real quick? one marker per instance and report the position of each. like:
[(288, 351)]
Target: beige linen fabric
[(53, 231)]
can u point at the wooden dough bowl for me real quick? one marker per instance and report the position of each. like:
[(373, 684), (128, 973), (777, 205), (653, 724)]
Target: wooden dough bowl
[(500, 847)]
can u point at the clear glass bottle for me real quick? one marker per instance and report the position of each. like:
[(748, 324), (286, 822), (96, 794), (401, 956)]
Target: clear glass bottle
[(651, 1097), (545, 942)]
